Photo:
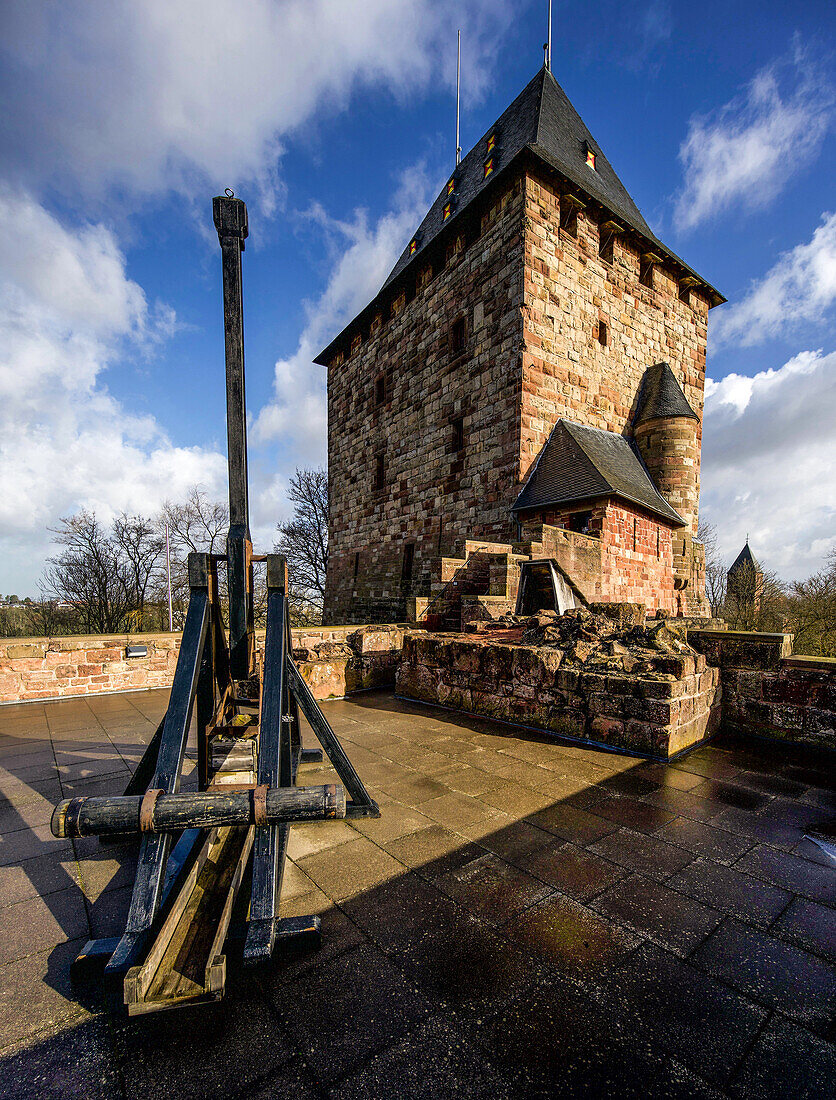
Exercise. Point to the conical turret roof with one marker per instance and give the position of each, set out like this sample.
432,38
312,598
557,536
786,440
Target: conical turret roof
661,396
745,560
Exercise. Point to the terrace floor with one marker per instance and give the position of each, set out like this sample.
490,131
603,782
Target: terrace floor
527,918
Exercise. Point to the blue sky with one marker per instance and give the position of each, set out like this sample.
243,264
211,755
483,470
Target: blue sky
334,119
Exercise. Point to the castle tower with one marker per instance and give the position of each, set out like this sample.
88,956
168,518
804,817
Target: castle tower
744,581
487,393
666,433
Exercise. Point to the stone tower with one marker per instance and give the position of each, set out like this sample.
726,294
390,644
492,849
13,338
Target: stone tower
528,381
744,581
666,431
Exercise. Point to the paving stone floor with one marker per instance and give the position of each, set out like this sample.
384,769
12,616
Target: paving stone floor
527,918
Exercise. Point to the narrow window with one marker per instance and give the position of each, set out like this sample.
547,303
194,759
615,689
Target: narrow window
380,389
658,544
569,218
356,564
457,442
607,233
635,533
457,336
406,568
602,333
648,262
685,290
379,471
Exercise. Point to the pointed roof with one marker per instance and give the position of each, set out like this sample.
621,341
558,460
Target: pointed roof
661,396
745,560
581,463
540,123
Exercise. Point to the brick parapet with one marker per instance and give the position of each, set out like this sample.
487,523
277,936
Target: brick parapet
54,668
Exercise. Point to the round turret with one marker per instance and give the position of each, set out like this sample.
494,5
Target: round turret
665,431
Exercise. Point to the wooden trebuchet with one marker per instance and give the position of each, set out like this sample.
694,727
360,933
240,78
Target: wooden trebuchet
167,813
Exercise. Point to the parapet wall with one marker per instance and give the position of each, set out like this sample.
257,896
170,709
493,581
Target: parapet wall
655,716
86,664
767,692
334,661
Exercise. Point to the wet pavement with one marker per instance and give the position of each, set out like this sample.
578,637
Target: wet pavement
528,918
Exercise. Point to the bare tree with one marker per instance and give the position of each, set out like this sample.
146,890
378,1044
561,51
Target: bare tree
811,612
304,542
140,547
90,575
715,568
196,525
755,600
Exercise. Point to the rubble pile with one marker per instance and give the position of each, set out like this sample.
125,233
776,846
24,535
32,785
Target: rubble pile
620,639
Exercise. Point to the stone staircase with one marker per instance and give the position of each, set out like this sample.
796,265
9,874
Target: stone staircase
487,574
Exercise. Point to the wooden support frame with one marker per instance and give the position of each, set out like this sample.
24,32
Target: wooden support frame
233,834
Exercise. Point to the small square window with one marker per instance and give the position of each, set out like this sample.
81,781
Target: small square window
458,336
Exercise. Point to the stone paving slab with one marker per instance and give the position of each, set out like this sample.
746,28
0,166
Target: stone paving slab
527,918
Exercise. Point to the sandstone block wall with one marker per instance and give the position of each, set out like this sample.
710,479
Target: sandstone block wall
333,660
767,692
52,668
527,685
569,290
434,495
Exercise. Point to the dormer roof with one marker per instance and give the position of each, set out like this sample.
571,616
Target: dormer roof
578,463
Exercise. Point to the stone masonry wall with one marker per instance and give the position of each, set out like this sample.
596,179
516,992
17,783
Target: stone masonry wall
51,668
398,395
527,685
333,660
767,692
569,290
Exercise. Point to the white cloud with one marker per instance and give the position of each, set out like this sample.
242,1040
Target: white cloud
744,153
800,287
769,463
363,255
68,311
157,95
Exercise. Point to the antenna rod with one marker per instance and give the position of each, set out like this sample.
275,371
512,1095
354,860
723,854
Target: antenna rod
458,90
549,41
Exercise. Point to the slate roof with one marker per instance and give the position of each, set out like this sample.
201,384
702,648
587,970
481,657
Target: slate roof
745,560
541,122
661,396
581,463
